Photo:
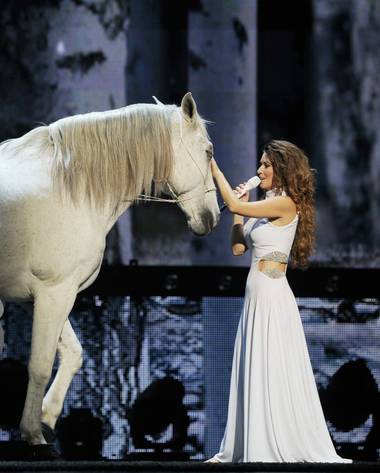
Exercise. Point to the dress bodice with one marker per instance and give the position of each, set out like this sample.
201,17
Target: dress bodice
269,241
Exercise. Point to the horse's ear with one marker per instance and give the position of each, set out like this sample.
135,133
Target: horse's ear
157,101
188,107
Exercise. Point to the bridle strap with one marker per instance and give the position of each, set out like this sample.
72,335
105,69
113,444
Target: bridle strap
176,200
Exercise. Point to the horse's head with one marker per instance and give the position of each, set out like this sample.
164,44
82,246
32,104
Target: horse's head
191,180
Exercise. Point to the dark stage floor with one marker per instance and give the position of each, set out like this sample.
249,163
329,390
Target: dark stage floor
177,467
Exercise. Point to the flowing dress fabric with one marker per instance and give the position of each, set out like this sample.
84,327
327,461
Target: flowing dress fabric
274,411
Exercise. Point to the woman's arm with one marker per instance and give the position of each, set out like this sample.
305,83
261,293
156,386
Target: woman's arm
271,208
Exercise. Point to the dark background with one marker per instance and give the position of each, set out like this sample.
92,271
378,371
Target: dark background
302,70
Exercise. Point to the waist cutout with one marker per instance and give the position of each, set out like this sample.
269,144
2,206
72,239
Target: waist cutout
273,264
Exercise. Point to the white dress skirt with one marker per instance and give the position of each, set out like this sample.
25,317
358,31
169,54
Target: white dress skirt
274,411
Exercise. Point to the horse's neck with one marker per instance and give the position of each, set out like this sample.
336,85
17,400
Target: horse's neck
108,216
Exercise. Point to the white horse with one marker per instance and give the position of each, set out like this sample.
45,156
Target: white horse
62,187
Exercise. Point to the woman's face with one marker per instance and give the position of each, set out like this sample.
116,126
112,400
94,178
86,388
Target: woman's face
265,173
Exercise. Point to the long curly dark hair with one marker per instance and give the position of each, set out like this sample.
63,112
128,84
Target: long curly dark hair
292,174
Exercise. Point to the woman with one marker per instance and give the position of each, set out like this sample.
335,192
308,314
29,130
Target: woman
274,412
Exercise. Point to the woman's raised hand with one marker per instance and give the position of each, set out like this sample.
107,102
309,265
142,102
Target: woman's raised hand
240,189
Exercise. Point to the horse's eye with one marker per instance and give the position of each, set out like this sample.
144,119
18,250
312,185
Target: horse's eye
210,154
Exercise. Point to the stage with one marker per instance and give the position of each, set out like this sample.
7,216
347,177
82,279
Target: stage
176,467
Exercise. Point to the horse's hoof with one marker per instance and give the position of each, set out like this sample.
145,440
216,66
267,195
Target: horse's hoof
43,452
49,434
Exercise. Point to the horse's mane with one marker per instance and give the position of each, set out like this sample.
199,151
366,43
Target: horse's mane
114,155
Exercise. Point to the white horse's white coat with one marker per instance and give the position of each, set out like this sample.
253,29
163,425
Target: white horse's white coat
52,247
28,175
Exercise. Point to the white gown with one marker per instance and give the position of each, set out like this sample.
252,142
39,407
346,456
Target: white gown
274,411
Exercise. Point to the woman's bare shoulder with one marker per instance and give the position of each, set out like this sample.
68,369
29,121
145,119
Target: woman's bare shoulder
286,202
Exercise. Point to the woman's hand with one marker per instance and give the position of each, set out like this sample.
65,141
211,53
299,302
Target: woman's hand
225,188
239,189
214,168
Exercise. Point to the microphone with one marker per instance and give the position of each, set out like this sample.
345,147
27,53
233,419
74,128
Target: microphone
250,184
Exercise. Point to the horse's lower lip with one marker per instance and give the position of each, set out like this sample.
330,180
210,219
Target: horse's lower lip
203,230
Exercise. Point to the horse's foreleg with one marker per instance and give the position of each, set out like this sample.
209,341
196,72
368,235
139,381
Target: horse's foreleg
70,361
51,308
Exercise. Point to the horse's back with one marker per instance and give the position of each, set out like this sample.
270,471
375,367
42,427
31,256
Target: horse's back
25,166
